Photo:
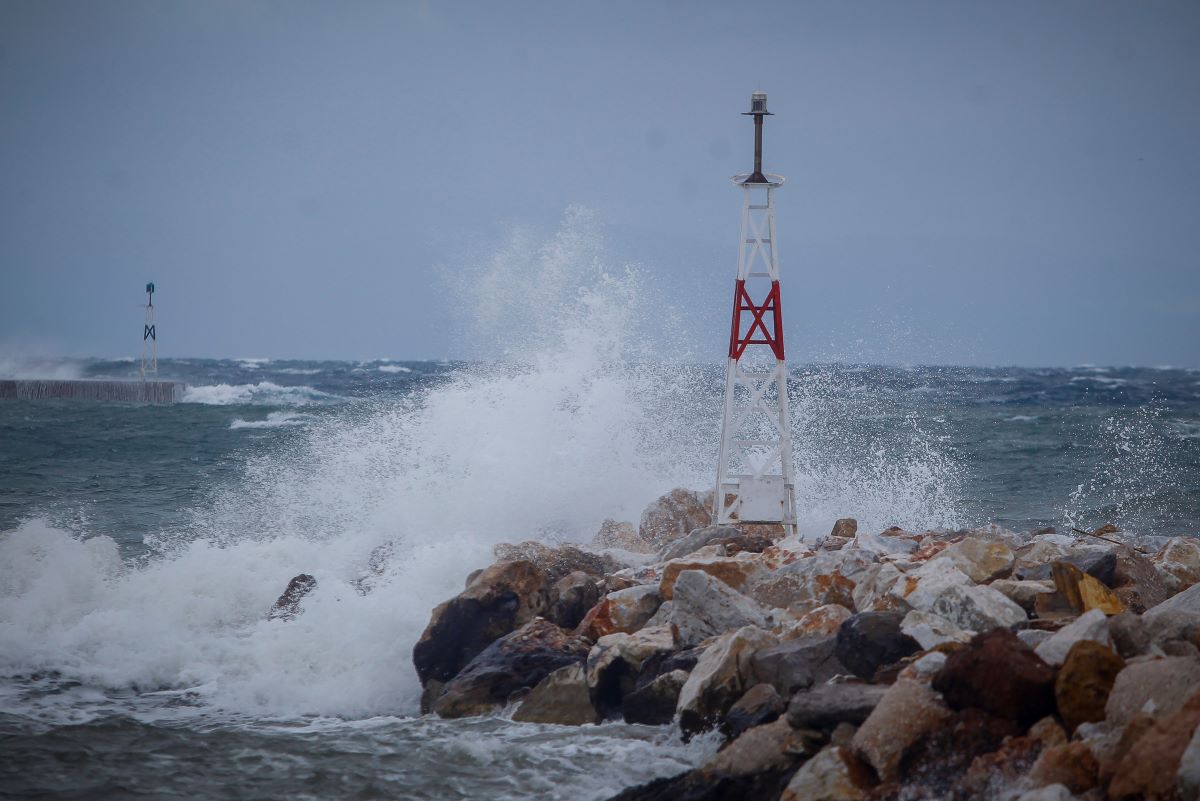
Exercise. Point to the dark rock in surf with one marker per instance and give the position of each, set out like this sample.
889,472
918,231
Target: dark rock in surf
871,640
824,707
288,605
653,703
758,705
796,665
571,597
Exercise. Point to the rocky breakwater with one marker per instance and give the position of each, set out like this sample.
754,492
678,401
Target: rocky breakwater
973,664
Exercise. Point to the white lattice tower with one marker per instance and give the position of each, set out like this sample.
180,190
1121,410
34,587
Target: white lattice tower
149,337
754,474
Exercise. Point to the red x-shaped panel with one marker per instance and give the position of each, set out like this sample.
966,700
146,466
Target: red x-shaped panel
742,303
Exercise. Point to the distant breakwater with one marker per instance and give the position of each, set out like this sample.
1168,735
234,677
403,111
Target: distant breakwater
92,390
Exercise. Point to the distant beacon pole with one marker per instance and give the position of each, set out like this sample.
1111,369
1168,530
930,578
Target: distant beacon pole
149,337
754,476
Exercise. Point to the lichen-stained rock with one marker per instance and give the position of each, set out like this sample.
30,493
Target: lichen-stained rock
734,571
517,661
695,540
1180,559
719,678
1000,674
1149,771
571,597
1138,583
871,640
502,598
827,705
1157,685
834,774
894,541
653,704
620,536
562,697
616,660
1084,682
557,560
1071,765
1091,626
907,712
621,611
795,665
977,608
820,622
921,588
872,592
803,592
287,607
674,515
982,560
703,606
1023,593
930,630
758,705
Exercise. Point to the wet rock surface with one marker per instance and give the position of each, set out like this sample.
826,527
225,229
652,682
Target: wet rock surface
871,640
288,605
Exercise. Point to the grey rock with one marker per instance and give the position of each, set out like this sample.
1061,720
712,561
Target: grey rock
1100,563
1188,778
697,540
571,597
1034,637
1186,601
1090,626
1157,685
562,697
760,704
719,678
1129,634
978,609
654,703
796,665
704,606
287,607
827,705
871,640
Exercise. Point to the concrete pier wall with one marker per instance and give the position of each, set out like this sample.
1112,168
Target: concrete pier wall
84,389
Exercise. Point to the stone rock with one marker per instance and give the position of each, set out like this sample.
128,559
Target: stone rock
834,774
938,760
758,705
571,597
1129,634
1159,686
720,678
930,630
744,542
703,606
562,697
1149,770
502,598
675,515
1091,626
894,541
1071,765
622,611
557,560
1084,682
1051,792
1188,778
1098,562
845,527
734,572
1034,637
517,661
871,640
1180,559
653,704
907,712
982,560
621,537
1083,592
1000,674
616,660
1048,732
1138,583
924,667
694,541
1186,601
796,665
921,588
763,749
820,622
873,593
1173,625
997,775
1023,593
288,606
802,592
977,608
826,706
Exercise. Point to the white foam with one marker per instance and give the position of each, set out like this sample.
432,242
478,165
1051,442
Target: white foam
394,368
273,420
263,393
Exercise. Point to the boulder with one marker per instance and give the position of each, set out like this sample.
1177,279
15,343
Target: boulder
871,640
762,750
1023,593
1098,562
921,588
1071,765
796,665
621,537
1160,686
516,662
826,706
1187,780
703,606
502,598
873,591
803,592
653,704
977,608
933,765
287,607
820,622
1091,626
621,611
557,560
675,515
758,705
562,697
1000,674
1172,625
1186,601
907,712
845,528
616,660
1084,682
734,571
571,597
893,542
930,630
1034,637
1150,769
1129,634
1138,583
834,774
695,540
720,678
1083,592
982,560
1180,559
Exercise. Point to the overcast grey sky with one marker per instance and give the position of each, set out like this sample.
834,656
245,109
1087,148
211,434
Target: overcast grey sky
972,183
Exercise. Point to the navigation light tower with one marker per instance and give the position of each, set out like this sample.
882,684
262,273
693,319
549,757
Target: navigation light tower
149,337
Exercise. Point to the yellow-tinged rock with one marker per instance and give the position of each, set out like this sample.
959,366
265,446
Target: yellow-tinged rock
734,571
1084,592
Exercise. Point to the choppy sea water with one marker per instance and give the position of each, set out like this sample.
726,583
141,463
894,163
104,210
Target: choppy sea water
143,545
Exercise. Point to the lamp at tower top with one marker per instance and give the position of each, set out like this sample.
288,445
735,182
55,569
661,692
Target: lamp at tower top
758,110
758,105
